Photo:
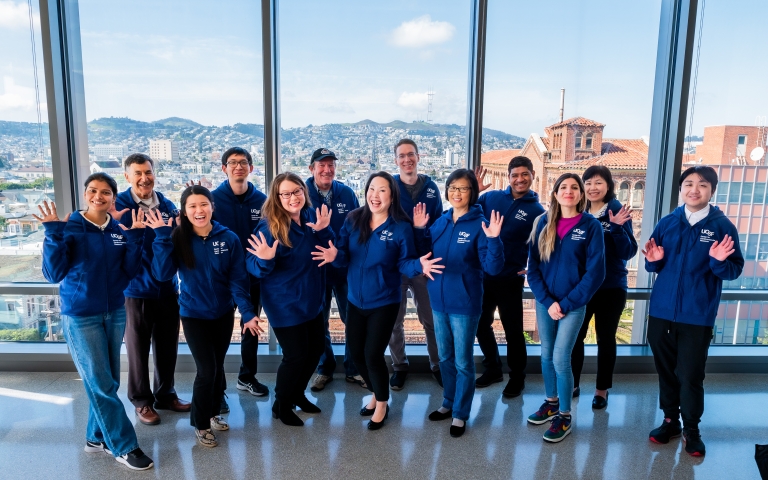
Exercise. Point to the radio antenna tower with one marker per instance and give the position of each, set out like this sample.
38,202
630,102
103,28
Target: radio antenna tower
430,94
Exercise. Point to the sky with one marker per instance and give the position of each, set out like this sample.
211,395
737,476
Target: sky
346,60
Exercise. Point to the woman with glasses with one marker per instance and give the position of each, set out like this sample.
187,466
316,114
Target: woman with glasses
469,248
292,287
376,243
566,266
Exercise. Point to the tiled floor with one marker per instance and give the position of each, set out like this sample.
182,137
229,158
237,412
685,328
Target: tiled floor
42,434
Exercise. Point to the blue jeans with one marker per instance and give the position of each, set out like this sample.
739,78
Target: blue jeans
328,360
455,336
557,340
94,343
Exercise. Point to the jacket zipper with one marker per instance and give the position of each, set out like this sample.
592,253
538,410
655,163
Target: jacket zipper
447,256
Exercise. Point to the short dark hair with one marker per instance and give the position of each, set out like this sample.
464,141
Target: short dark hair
704,171
236,151
470,176
520,161
406,141
102,177
604,173
139,159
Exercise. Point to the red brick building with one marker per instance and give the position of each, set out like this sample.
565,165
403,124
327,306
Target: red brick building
732,145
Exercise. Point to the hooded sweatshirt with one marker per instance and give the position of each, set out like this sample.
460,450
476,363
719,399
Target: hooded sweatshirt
92,266
689,281
429,195
467,253
576,266
343,201
519,215
620,247
219,279
144,285
375,267
292,287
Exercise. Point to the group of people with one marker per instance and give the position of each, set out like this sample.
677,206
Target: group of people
132,265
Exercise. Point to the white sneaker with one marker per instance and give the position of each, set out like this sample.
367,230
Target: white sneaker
320,382
218,423
96,447
136,460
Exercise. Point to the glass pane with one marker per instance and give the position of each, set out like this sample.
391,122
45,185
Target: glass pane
741,323
30,318
722,192
26,178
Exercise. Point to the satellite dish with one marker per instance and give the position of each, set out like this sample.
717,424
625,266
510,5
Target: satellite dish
757,154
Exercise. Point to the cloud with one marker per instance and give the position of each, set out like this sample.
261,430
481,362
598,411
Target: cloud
413,100
420,32
17,97
15,15
337,108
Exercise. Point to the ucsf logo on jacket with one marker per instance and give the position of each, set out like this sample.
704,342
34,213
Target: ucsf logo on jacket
466,254
519,215
217,282
689,282
576,267
292,287
375,267
144,285
92,266
429,196
343,201
620,247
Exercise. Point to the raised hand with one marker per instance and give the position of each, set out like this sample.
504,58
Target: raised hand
653,252
117,215
555,312
420,215
48,213
622,216
722,250
325,255
261,248
494,228
480,172
253,326
428,267
154,219
323,218
138,220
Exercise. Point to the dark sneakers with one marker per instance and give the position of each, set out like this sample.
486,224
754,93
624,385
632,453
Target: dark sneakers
513,389
693,444
136,460
224,405
545,413
668,430
254,388
96,447
397,380
488,378
560,428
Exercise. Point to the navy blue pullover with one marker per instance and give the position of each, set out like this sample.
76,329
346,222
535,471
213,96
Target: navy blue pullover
620,247
429,195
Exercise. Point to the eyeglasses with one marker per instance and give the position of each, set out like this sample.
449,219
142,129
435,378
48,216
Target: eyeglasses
242,163
459,189
298,193
403,156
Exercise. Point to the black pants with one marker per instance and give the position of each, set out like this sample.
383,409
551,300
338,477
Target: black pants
680,354
249,343
506,294
368,333
606,305
302,346
152,322
208,341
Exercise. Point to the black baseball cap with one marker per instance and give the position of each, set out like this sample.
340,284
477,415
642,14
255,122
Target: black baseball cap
322,153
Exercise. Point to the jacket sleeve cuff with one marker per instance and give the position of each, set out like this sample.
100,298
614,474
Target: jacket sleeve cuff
135,234
54,227
163,232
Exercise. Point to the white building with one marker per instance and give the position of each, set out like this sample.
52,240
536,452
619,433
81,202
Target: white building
164,150
450,158
105,152
110,167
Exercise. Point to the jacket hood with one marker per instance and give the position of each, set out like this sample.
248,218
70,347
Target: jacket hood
529,197
714,214
474,212
226,189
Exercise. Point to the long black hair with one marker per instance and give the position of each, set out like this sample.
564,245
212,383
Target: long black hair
604,173
361,217
182,235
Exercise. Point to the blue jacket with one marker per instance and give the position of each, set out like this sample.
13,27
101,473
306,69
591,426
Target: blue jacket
144,285
343,201
218,281
689,282
429,195
375,267
241,218
466,253
620,247
518,222
292,287
92,266
576,267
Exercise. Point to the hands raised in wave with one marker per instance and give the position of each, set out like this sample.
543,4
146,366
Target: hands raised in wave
48,213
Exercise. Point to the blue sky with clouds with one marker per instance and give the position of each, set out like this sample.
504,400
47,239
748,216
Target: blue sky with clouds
345,60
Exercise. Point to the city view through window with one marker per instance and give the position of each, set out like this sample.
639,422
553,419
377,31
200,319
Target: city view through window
183,92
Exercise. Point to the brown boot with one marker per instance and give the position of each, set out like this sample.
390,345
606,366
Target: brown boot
147,415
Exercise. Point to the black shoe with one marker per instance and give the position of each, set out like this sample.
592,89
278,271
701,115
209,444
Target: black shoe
488,378
377,425
437,415
96,447
397,380
306,406
457,431
599,402
513,389
693,444
254,388
285,413
669,429
224,408
136,460
438,376
367,412
576,392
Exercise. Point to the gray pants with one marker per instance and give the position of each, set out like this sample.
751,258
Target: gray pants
418,287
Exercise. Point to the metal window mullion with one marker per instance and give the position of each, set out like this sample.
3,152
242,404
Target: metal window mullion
476,84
